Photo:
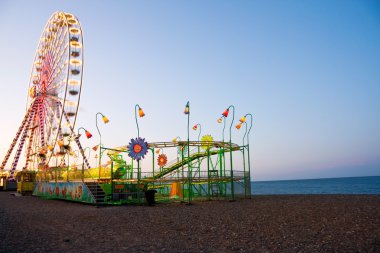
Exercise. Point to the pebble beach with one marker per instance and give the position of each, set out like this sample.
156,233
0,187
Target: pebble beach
278,223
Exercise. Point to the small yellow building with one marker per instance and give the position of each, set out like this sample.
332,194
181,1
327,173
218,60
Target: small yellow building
26,182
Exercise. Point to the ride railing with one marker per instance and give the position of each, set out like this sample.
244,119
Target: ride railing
195,155
179,158
208,186
67,174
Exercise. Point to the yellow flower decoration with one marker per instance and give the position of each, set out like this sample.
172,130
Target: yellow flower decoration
206,142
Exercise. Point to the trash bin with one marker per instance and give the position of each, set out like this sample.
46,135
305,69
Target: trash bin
150,197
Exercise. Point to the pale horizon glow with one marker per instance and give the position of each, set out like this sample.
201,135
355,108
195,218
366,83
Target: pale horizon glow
307,71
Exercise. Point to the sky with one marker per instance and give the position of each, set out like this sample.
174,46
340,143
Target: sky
308,71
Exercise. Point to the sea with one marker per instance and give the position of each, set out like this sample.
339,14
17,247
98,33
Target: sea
346,185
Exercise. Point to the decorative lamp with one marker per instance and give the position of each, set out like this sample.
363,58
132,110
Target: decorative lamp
95,147
141,112
242,120
88,134
225,113
195,127
176,139
238,126
105,120
187,108
220,120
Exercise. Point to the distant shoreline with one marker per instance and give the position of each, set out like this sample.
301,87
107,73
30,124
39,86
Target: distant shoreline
345,185
276,180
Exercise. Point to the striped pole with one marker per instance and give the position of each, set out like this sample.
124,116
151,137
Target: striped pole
30,143
42,121
21,144
16,137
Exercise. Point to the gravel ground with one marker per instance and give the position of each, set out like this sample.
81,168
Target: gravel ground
303,223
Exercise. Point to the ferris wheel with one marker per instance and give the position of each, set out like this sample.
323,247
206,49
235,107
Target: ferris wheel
53,96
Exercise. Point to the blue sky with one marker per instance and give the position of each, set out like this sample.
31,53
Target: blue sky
307,70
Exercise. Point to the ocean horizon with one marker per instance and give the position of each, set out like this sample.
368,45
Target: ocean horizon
343,185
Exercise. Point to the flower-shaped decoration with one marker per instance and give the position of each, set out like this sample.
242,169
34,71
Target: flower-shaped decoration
138,148
162,160
206,142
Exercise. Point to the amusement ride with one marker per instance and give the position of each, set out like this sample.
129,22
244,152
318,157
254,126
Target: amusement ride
51,147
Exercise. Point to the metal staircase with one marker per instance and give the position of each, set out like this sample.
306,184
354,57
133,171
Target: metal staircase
97,192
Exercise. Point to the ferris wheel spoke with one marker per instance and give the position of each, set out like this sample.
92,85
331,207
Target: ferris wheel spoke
57,47
57,56
57,74
57,38
50,59
57,41
57,71
54,98
55,64
56,86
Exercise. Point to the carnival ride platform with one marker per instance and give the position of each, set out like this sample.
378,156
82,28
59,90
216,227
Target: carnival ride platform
175,181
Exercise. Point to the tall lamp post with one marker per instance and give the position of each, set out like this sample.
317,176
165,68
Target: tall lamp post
187,112
222,154
242,120
195,128
220,120
238,126
88,135
141,114
225,114
105,120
